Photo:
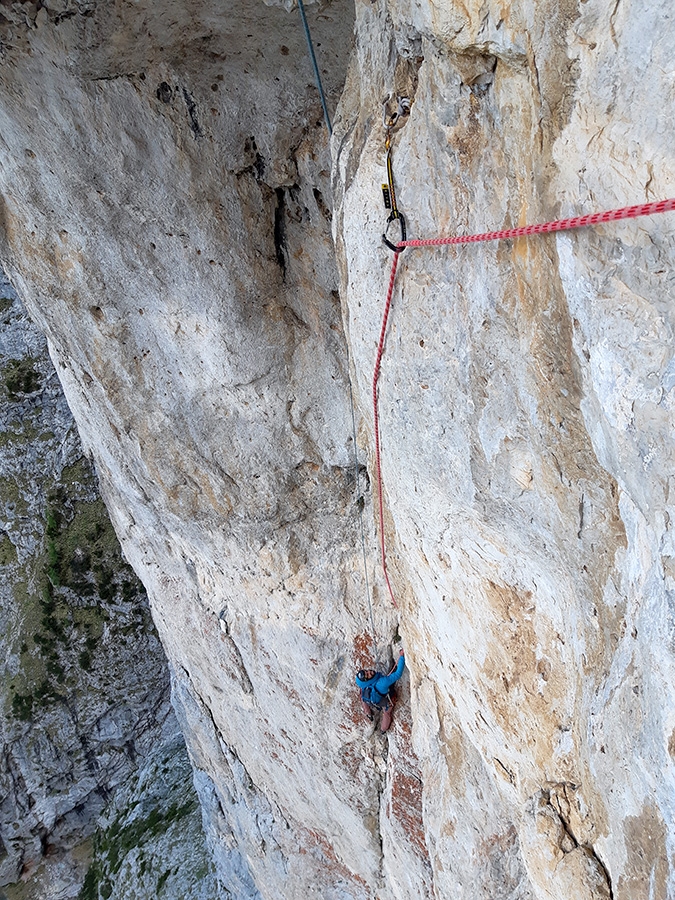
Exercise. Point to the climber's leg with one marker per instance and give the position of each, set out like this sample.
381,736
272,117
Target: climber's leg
387,713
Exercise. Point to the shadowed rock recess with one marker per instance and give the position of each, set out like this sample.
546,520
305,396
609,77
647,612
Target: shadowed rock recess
167,193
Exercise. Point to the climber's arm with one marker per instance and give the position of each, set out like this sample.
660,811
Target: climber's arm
386,681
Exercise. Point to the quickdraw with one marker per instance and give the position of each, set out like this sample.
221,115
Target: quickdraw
390,120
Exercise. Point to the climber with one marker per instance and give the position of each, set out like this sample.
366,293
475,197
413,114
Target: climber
375,691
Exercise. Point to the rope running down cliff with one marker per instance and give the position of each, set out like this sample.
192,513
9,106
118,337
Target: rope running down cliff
317,74
612,215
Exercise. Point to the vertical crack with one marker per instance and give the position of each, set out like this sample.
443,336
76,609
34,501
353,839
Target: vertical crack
192,113
554,802
280,231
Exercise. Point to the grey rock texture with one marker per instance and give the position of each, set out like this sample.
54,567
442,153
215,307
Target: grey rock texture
85,686
150,841
166,198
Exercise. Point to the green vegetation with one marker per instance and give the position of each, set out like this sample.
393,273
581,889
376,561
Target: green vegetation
6,304
112,845
161,881
12,496
7,551
67,592
22,706
20,378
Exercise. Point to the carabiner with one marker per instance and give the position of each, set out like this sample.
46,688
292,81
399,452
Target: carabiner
395,217
390,120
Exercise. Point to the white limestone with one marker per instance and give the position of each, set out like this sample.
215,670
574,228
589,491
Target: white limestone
173,241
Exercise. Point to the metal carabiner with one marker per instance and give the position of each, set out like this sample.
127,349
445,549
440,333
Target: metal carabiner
390,119
395,217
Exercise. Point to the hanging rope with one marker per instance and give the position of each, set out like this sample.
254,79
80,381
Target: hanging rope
612,215
317,74
376,420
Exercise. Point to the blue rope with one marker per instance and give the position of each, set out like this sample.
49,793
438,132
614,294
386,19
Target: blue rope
317,75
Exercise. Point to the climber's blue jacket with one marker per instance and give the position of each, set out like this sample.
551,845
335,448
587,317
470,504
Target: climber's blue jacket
375,689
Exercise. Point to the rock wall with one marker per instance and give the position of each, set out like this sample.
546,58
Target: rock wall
166,212
525,411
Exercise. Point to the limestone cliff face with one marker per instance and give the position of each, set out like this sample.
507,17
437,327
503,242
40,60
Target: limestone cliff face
166,212
527,419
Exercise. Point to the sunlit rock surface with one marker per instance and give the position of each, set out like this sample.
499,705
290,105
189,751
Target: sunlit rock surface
166,208
527,420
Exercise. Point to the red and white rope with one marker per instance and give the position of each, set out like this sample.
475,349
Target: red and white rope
612,215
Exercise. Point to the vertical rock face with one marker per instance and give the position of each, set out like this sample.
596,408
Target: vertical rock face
166,206
525,402
199,342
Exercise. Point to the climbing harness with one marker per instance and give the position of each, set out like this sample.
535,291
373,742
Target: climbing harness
612,215
390,120
317,74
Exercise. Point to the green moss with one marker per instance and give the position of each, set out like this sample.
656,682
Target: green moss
5,304
89,889
11,494
22,707
7,551
20,378
67,588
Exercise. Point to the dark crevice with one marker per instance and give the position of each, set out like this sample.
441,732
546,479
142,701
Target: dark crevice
555,804
280,231
115,77
192,113
256,169
256,164
164,92
605,871
259,166
322,205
